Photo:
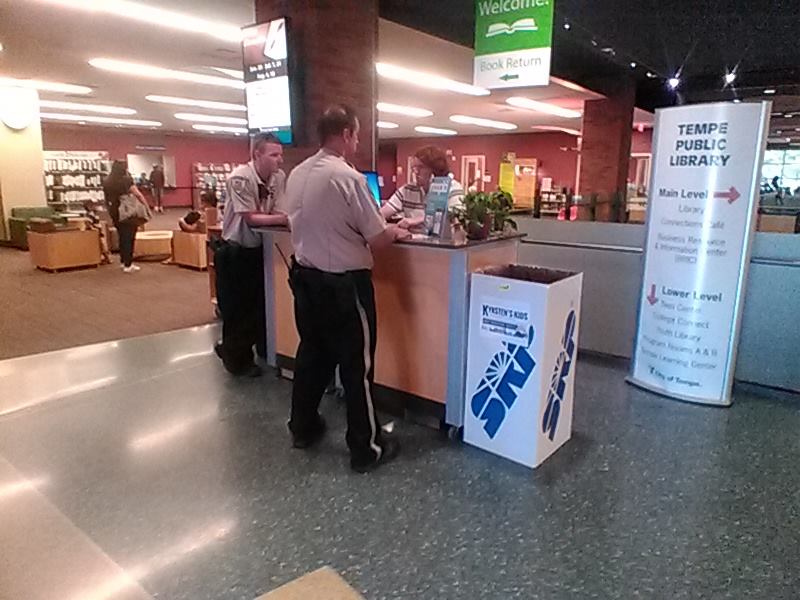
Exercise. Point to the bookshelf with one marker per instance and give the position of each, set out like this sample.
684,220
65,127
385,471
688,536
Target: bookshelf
72,177
208,175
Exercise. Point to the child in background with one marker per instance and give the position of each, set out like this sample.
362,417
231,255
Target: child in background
195,221
92,214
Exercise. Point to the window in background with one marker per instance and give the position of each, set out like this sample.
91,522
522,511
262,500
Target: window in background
784,164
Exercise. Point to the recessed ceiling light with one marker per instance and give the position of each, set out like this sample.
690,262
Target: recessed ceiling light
769,91
219,128
465,120
674,82
651,75
46,86
428,80
633,64
567,26
543,107
434,130
159,17
94,108
736,101
387,125
140,70
198,103
555,128
210,119
411,111
103,120
730,77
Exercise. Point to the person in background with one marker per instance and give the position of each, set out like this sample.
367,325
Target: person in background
157,187
90,208
255,194
335,225
409,201
117,183
195,220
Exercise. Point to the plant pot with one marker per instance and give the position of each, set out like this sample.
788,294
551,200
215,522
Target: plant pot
475,231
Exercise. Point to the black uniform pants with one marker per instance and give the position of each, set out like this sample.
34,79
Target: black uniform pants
127,238
335,317
240,298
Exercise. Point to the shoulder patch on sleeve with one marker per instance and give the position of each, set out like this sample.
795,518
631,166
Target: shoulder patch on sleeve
238,184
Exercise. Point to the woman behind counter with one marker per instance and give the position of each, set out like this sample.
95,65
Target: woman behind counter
428,162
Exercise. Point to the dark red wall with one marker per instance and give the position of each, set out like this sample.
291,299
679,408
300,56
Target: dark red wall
554,151
387,168
642,142
186,149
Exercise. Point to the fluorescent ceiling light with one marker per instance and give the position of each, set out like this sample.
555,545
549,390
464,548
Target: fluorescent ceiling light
219,129
465,120
210,119
46,86
230,72
94,108
103,120
387,125
410,111
769,91
159,17
543,107
434,130
140,70
198,103
428,80
555,128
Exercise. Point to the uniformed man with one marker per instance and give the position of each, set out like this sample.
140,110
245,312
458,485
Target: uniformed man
335,223
255,193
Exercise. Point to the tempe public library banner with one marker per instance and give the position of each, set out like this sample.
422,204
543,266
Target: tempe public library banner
701,218
513,40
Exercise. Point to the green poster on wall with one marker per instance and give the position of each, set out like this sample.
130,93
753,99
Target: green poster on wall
513,43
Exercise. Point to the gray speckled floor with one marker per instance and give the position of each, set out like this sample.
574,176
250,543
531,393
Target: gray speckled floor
186,480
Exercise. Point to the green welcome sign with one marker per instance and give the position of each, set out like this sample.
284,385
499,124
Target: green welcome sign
513,42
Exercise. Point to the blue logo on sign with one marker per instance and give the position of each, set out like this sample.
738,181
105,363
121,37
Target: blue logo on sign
558,383
507,373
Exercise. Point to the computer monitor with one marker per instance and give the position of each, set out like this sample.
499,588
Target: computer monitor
374,185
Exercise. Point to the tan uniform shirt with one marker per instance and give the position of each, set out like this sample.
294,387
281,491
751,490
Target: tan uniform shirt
248,193
332,214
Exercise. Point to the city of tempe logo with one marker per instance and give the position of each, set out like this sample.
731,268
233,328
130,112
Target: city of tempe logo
558,383
507,373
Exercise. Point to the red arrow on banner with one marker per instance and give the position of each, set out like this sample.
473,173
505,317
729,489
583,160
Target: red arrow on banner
732,195
651,297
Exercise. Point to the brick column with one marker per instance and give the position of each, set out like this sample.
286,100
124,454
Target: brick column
606,149
335,46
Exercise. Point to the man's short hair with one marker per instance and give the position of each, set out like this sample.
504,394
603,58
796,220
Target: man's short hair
261,138
335,120
435,159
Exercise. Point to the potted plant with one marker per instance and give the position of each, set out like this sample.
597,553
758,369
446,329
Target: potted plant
475,216
482,214
501,203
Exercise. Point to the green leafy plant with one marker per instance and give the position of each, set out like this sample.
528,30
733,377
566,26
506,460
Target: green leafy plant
484,213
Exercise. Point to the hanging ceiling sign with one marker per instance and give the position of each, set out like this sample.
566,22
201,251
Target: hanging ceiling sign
513,43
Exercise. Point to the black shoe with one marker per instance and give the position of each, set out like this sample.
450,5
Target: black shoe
252,370
390,449
307,441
